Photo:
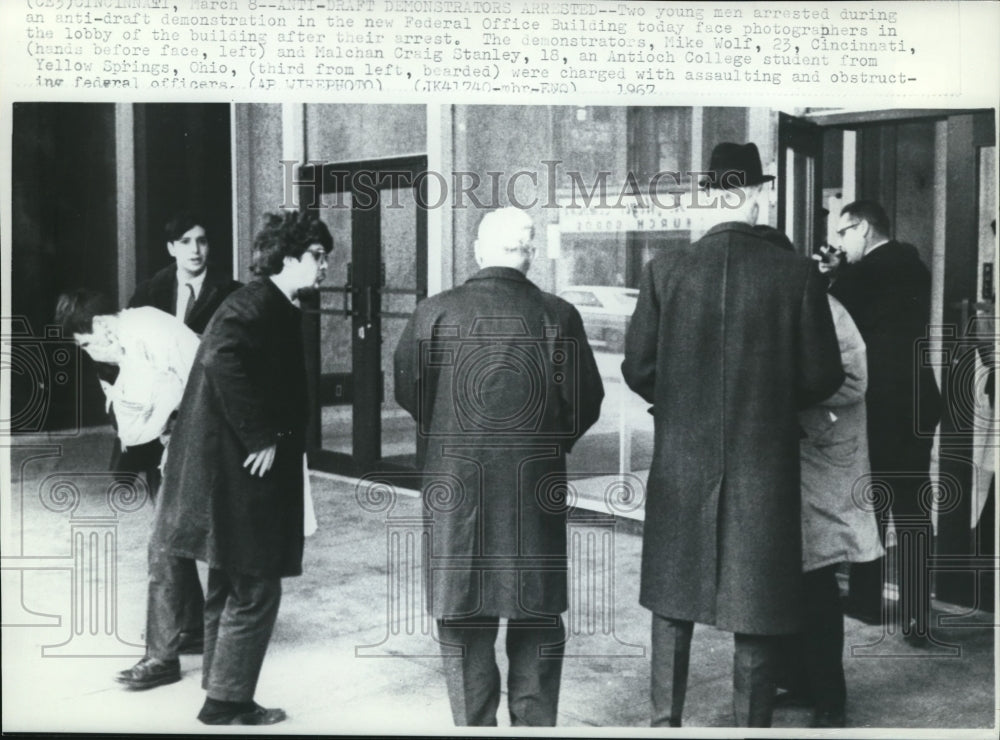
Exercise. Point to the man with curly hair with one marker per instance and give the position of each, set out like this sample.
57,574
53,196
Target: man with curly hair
232,491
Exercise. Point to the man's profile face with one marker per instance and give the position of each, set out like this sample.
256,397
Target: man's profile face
190,250
309,270
852,232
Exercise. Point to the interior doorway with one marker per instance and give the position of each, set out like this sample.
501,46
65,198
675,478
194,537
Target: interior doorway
930,170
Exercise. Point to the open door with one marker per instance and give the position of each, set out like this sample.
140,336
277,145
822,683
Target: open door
800,193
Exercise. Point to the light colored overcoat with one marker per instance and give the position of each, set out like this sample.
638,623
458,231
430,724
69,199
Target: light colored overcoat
838,523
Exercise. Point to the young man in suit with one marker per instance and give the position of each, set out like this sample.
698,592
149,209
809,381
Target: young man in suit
190,290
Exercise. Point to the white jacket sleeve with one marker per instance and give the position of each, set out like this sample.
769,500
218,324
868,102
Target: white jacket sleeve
159,351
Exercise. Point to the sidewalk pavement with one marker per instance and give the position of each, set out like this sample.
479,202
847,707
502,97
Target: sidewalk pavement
353,652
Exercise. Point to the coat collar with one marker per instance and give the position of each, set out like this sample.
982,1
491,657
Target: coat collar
500,273
739,226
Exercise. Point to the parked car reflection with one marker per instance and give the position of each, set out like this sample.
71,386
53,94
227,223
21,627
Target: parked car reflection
605,311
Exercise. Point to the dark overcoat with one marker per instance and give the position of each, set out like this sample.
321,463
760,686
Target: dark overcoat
888,294
731,336
246,391
160,291
501,380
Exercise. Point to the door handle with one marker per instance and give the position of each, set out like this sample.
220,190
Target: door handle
369,306
349,291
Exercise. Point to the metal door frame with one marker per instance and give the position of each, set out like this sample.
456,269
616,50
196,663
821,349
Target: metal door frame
362,301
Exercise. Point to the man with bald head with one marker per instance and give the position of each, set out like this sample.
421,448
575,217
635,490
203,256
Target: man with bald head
501,380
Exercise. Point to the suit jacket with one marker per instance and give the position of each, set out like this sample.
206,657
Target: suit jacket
160,291
501,381
246,391
731,336
888,295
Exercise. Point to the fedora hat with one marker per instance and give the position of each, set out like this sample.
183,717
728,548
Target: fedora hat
735,165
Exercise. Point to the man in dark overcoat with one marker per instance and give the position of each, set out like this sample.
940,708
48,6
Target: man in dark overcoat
502,382
233,481
175,604
887,290
731,336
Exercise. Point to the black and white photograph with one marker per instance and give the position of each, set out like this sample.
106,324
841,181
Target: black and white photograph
410,413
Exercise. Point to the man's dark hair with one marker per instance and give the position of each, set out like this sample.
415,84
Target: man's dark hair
76,309
181,223
286,234
870,211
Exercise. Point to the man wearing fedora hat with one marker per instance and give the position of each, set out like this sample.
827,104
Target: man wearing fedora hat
731,336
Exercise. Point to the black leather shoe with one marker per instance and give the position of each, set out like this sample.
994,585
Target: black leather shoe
192,643
828,718
867,617
789,698
149,673
259,716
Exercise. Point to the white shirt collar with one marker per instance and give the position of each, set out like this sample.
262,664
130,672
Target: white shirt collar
196,283
182,291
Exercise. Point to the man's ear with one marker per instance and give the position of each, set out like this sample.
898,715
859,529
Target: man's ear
171,250
477,250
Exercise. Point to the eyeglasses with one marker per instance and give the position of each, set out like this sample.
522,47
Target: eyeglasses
318,254
847,228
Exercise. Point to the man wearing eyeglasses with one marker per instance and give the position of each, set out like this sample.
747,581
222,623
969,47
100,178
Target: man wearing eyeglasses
233,482
886,288
502,382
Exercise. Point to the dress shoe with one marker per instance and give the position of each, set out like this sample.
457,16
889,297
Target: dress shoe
829,718
149,673
914,637
218,712
868,617
259,716
788,698
192,643
917,640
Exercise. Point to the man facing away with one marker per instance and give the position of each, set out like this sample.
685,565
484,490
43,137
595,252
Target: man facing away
731,336
233,485
191,291
502,382
886,289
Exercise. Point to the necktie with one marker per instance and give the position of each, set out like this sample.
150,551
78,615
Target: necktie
190,302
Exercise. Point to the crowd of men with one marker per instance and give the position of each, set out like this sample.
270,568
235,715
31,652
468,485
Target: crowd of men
778,385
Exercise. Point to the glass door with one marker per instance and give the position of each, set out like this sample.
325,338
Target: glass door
376,275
